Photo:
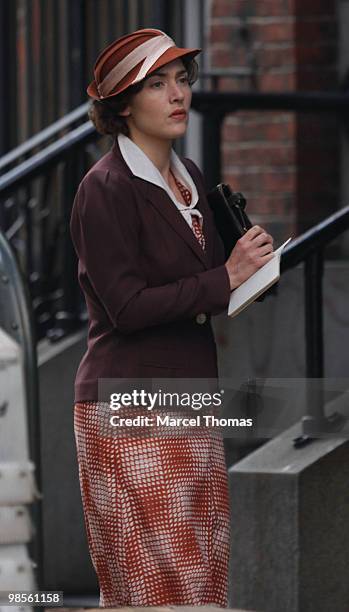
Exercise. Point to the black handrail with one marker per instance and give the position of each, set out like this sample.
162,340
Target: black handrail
317,237
51,155
202,101
214,103
228,102
308,248
38,140
220,103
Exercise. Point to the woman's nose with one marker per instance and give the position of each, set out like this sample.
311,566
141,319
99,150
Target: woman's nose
176,92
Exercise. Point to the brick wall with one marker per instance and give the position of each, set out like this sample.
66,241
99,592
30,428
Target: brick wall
285,163
317,138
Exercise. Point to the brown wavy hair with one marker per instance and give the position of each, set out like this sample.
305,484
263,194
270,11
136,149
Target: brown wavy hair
104,114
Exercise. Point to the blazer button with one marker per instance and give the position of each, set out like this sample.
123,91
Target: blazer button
201,318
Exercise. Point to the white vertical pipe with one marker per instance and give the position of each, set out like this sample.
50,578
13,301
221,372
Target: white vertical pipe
194,35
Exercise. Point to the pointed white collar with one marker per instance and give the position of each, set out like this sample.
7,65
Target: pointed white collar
141,166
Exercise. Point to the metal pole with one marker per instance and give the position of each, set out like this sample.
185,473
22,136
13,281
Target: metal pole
315,422
66,317
313,269
5,70
211,144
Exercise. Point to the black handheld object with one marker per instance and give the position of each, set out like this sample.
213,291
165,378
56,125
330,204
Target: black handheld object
231,220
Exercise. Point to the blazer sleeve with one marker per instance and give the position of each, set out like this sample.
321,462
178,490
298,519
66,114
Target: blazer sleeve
105,229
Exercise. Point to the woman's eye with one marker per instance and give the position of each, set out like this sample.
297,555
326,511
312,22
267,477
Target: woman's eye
159,84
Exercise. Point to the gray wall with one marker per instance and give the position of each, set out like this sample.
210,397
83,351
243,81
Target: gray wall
67,564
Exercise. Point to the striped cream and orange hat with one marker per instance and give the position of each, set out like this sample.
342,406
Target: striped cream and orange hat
130,59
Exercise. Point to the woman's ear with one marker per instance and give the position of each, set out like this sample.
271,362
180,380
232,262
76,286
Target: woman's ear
125,113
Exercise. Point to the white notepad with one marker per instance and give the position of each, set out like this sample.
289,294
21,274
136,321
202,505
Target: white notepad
254,286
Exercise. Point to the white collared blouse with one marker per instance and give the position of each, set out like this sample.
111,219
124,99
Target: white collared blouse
141,166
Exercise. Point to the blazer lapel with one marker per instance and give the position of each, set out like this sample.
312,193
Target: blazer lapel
167,209
161,201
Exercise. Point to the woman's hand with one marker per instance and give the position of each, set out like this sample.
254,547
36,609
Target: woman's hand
250,253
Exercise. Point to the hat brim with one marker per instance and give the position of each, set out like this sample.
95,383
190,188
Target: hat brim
168,56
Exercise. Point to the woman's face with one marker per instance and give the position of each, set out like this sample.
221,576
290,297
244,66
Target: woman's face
154,111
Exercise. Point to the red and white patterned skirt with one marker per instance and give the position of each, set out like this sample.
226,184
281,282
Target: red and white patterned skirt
156,513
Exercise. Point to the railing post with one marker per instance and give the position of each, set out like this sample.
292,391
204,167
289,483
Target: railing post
66,317
315,421
212,151
313,270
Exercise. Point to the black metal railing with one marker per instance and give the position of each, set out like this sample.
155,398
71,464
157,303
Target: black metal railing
37,189
215,106
309,249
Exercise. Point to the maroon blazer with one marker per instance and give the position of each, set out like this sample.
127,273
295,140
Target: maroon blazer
150,289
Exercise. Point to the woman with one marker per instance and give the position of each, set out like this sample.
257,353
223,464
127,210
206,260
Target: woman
152,269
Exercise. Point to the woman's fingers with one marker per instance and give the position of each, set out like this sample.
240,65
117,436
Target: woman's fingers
263,238
265,249
252,232
258,235
265,258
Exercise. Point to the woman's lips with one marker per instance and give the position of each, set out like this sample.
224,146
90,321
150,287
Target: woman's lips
179,115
